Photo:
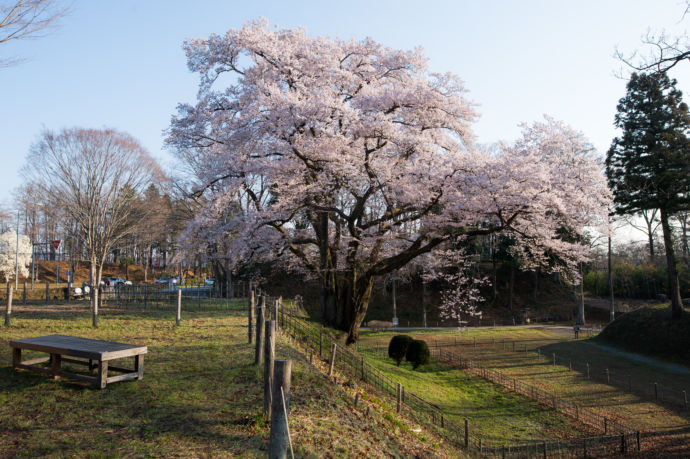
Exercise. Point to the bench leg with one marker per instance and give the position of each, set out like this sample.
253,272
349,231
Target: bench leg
55,363
139,365
16,357
102,374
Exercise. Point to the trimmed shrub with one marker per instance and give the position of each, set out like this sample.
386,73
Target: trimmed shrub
397,348
417,353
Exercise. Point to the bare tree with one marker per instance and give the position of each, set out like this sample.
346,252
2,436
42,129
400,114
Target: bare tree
650,227
20,19
96,176
660,52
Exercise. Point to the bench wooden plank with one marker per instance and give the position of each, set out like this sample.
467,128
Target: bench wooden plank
124,377
79,347
59,346
37,360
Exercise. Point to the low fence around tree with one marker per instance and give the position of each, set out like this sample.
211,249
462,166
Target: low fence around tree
354,365
602,373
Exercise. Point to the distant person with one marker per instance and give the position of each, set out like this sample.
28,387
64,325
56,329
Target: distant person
576,330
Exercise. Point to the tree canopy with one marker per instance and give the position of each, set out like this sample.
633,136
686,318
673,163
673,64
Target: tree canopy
348,159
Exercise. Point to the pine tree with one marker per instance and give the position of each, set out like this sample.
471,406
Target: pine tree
648,167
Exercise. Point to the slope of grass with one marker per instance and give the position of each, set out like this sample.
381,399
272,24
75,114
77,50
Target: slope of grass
496,415
651,330
200,396
637,409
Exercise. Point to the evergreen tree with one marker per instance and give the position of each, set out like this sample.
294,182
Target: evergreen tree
648,167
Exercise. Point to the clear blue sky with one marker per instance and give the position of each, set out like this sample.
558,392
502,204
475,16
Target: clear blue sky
119,63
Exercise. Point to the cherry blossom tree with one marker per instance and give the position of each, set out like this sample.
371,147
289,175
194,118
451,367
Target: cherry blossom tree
460,302
9,254
350,159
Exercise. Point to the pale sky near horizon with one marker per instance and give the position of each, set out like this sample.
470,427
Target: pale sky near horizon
120,64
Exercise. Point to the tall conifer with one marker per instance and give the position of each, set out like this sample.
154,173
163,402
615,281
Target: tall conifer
648,166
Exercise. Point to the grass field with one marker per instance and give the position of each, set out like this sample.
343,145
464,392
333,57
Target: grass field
200,396
614,401
496,415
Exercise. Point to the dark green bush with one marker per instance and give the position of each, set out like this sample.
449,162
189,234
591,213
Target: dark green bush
397,348
417,353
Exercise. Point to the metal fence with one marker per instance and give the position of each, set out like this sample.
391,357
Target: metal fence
602,373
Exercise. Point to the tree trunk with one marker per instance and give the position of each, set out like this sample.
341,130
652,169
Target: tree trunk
494,273
424,302
612,314
92,284
684,243
673,285
355,305
651,247
536,284
511,287
649,221
581,307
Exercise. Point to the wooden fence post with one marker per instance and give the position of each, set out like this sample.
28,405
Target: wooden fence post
250,314
258,355
178,314
269,356
656,391
8,311
332,363
96,304
399,404
467,433
47,292
623,445
24,295
587,370
280,433
608,377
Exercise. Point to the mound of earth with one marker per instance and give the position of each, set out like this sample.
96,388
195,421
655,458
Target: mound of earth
651,330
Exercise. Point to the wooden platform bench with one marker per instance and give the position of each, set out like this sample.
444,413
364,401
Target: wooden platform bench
95,354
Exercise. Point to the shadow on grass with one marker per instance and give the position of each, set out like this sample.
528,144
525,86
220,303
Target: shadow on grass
12,380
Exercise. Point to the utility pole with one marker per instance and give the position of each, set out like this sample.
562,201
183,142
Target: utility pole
612,313
16,257
395,314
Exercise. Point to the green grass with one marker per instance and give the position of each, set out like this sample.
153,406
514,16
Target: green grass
200,396
496,415
612,400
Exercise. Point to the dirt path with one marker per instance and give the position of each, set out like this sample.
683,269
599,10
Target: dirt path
679,369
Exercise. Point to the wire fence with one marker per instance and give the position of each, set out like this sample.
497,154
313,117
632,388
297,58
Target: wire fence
602,373
624,440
